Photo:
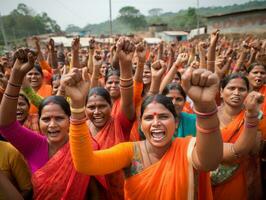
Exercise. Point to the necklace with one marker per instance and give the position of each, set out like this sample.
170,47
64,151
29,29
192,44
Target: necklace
146,149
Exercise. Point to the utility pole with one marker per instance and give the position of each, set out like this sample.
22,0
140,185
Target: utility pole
110,12
3,31
198,17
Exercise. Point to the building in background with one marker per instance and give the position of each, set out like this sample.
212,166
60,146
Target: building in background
172,36
246,21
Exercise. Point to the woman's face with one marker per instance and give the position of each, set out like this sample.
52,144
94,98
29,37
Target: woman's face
146,75
98,110
55,84
176,79
177,99
54,123
234,92
103,69
158,124
112,86
257,76
22,109
35,78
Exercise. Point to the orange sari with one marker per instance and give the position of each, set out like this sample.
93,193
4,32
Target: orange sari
110,135
263,92
58,179
172,177
116,107
44,91
244,182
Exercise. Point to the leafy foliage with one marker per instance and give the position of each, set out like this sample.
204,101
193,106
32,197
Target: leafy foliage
23,22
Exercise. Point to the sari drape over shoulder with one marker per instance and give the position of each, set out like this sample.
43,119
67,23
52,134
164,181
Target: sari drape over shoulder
172,177
58,179
111,134
243,182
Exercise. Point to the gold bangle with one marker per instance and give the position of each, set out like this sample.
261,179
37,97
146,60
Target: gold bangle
126,79
77,110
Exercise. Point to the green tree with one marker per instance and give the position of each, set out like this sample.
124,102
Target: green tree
155,12
133,17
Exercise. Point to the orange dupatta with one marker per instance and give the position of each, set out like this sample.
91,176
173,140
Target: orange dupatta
263,92
245,181
58,179
172,177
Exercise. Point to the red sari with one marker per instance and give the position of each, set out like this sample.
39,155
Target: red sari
263,92
58,179
111,134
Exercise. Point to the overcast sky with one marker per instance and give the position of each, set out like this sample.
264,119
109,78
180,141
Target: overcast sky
82,12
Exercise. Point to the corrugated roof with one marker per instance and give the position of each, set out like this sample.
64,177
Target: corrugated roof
236,12
175,32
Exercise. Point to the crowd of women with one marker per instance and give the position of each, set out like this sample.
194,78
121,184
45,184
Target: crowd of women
128,120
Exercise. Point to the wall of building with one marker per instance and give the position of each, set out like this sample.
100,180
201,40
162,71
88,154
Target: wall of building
254,21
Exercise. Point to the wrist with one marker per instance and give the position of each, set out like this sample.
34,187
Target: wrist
205,107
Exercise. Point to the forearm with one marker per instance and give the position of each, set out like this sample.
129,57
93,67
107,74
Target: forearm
239,62
168,77
139,72
126,88
9,101
155,86
202,56
211,57
244,144
209,146
74,63
90,61
98,162
95,77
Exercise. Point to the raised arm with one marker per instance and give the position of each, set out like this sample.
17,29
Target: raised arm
125,51
24,62
247,140
75,53
85,159
141,54
158,69
91,53
201,86
178,64
97,63
211,50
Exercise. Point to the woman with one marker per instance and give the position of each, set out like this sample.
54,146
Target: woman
238,175
29,121
257,77
186,122
109,129
157,168
48,157
35,78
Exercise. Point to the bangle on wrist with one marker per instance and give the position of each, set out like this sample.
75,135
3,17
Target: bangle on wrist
78,121
77,110
14,84
207,130
205,115
11,96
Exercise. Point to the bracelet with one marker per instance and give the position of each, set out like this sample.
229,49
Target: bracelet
205,115
11,96
126,79
77,110
251,124
210,61
78,121
234,151
126,87
207,131
14,84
